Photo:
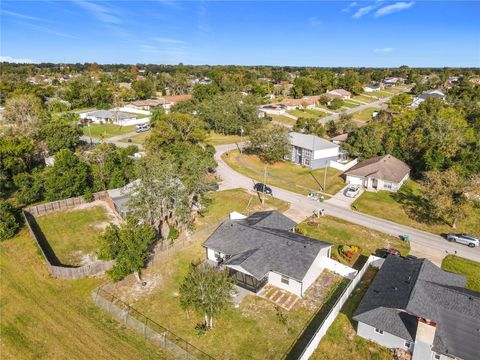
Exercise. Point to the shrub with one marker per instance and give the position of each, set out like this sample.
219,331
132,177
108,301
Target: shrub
9,223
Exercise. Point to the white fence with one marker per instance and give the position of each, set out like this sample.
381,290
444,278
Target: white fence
343,166
322,330
134,110
339,268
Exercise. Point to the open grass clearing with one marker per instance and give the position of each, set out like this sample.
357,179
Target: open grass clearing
469,268
341,232
282,119
381,94
255,330
74,234
364,115
364,98
104,131
307,113
46,318
139,138
285,174
341,340
404,208
215,139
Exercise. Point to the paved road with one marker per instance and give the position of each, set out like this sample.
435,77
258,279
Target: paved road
377,103
116,140
423,244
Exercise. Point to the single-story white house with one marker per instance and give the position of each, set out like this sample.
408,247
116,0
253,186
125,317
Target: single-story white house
264,249
438,94
313,151
372,88
107,116
379,173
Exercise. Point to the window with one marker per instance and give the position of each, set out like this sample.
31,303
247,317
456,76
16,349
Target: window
378,331
217,255
285,280
436,356
408,344
387,185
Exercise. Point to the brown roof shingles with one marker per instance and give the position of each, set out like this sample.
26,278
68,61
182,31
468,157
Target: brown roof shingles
386,167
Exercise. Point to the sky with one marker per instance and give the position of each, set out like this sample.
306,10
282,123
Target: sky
311,33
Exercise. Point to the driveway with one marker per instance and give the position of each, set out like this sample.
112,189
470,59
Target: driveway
423,244
341,200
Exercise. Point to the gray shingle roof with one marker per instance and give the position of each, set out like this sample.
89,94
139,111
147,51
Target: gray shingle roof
406,289
386,167
310,142
263,243
107,114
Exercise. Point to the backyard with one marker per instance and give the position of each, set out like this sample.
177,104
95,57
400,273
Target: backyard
285,174
257,329
103,131
469,268
46,318
341,340
403,207
73,234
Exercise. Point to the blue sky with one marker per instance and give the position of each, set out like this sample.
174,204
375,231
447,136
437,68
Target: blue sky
314,33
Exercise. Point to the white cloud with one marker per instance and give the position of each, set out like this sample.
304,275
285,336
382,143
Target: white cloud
314,21
102,13
168,40
351,5
389,9
21,16
363,11
47,30
16,60
384,50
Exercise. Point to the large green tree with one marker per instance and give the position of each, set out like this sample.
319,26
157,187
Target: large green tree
271,143
59,134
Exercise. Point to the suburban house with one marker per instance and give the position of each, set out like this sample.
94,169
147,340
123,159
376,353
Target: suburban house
264,249
416,306
379,173
118,199
339,138
148,104
306,102
313,151
392,81
438,94
372,88
275,109
113,117
339,93
172,100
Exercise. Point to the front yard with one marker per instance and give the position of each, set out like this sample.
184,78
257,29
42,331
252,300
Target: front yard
341,340
282,119
403,207
215,139
104,131
364,115
73,234
307,113
469,268
257,329
285,174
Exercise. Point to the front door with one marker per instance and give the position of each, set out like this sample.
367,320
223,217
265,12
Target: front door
374,183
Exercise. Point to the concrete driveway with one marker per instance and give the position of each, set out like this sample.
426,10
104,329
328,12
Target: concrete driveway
340,199
423,244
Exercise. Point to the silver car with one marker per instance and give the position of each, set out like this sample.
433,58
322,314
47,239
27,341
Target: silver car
352,191
469,240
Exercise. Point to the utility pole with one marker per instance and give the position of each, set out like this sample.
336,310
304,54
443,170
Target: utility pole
241,140
325,179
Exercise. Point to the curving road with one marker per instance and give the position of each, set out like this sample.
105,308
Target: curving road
423,244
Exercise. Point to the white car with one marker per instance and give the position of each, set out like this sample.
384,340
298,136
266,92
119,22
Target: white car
465,239
141,128
352,191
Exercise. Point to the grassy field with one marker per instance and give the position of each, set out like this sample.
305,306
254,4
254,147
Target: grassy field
402,207
46,318
72,234
255,330
469,268
220,139
282,119
364,115
106,130
307,113
341,232
138,138
364,98
341,341
285,174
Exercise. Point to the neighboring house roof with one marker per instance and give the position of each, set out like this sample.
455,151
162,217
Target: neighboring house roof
309,100
175,98
432,93
404,290
340,138
107,114
310,142
121,196
149,102
385,167
263,242
340,92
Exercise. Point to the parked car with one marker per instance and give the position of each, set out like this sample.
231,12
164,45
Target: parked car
260,187
466,239
213,187
352,191
383,253
142,127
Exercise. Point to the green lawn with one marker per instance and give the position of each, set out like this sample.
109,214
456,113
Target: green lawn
341,232
381,93
469,268
72,234
347,104
341,340
403,207
282,119
138,138
220,139
364,98
254,330
285,174
106,130
364,115
46,318
307,113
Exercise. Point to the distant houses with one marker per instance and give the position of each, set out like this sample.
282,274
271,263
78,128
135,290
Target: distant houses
372,88
379,173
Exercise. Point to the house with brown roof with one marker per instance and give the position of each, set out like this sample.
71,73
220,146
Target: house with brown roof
379,173
339,93
147,104
307,102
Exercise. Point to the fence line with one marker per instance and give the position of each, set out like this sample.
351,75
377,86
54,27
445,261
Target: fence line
149,329
54,265
333,312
